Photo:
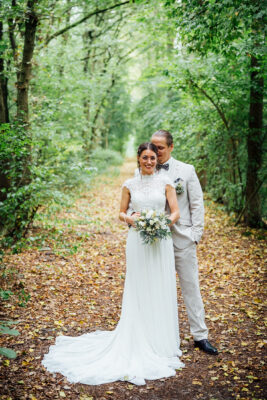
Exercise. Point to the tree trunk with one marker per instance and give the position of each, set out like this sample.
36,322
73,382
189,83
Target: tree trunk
88,39
254,144
4,114
24,74
4,117
65,37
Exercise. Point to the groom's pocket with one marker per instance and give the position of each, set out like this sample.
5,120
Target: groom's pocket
182,236
186,231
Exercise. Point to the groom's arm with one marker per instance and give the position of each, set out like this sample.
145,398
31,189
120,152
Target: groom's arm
196,205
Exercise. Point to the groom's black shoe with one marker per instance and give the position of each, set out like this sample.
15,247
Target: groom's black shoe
205,345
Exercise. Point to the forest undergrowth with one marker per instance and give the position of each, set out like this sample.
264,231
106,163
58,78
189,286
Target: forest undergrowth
74,273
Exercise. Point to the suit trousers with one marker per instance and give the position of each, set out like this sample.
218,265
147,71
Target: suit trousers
187,268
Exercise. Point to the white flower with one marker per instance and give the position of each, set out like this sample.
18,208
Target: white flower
149,213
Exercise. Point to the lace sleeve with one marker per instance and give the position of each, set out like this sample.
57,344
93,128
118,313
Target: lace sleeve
127,184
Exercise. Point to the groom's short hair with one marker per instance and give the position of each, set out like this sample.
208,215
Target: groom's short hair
166,134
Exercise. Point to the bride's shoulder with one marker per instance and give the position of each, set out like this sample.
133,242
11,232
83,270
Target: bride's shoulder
129,183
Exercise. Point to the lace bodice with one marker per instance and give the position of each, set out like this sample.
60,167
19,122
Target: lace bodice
148,191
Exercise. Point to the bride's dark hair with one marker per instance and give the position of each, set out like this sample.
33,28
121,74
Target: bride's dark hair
146,146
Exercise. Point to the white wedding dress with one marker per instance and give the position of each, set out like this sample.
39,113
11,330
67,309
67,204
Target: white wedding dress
145,343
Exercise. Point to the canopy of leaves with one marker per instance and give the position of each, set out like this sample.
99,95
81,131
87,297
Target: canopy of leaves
105,72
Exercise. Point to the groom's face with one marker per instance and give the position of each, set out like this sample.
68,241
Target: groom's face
164,151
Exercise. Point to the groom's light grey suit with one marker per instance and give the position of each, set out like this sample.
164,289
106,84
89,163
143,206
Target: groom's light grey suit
186,233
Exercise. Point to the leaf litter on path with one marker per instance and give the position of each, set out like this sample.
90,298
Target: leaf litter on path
75,278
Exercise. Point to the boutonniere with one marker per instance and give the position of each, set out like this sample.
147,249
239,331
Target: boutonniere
179,187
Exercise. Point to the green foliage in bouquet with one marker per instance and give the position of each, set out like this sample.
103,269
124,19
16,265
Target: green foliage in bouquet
153,226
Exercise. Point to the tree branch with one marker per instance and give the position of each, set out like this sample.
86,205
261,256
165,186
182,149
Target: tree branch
113,81
203,91
96,36
68,27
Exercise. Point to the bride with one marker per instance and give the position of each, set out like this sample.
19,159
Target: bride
145,343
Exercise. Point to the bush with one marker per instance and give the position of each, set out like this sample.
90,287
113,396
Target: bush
34,177
103,158
27,184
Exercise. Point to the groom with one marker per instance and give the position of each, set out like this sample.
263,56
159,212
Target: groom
186,234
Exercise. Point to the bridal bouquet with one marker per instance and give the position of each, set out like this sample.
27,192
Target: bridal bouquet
153,226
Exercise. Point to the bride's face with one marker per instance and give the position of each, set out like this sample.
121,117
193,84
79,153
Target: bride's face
147,161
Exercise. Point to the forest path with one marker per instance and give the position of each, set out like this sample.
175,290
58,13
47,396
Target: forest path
75,279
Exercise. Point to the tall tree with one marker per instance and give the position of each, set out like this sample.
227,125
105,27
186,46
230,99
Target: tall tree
255,137
24,72
25,26
236,30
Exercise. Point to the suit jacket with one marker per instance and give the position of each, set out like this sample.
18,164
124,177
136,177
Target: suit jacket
189,228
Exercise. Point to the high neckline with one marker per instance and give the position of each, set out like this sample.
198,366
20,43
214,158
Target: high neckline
147,176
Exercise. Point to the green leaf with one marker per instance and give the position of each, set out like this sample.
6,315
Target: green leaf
5,294
9,353
9,322
7,331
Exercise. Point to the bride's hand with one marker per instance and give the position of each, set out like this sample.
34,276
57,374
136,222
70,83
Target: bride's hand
172,218
133,217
